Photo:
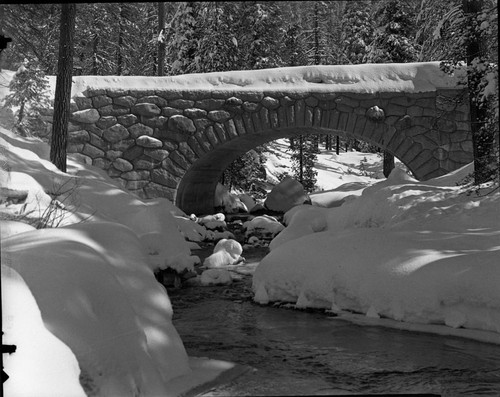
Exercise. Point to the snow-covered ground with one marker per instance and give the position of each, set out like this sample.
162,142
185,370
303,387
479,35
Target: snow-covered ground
80,301
414,252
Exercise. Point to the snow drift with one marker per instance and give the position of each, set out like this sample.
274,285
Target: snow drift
419,252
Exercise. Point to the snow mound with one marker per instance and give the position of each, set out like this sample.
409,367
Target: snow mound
226,252
51,366
97,295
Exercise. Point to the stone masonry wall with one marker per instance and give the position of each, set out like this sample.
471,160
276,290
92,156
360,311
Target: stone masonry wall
149,139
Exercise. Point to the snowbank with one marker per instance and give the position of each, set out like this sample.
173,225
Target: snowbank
418,252
80,300
97,295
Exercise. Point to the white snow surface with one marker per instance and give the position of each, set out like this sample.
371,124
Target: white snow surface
415,252
81,301
366,78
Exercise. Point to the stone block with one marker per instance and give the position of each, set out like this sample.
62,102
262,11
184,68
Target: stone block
146,109
181,103
92,151
312,101
395,110
180,160
231,129
251,96
168,111
97,141
415,111
113,110
154,122
210,104
148,142
145,163
187,152
233,101
445,125
240,125
172,168
87,116
136,175
181,124
270,103
202,124
251,106
82,102
127,120
247,121
106,122
264,119
156,154
139,129
123,145
155,99
211,136
163,177
221,132
194,113
113,154
113,172
115,133
196,147
299,113
133,152
125,101
309,116
273,118
256,122
78,137
100,101
218,115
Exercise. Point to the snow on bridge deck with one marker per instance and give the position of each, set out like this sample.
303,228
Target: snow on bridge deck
365,78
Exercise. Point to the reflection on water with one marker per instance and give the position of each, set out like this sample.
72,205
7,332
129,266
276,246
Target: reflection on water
298,353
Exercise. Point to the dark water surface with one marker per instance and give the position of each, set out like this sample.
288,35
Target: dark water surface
308,353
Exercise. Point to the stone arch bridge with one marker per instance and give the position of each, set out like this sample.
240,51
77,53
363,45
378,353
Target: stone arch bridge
174,136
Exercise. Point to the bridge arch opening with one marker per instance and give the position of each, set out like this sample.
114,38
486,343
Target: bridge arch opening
196,190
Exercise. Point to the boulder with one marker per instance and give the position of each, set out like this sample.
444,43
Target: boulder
287,194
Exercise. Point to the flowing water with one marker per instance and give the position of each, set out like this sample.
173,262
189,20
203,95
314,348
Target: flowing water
308,353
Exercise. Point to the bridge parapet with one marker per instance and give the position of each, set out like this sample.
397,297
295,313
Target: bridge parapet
164,142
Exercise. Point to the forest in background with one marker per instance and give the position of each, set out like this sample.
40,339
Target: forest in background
171,38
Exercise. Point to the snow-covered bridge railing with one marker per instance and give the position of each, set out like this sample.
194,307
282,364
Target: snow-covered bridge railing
174,136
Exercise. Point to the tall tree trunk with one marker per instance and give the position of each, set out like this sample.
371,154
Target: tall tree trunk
482,146
301,159
119,55
388,163
161,43
95,46
63,87
337,145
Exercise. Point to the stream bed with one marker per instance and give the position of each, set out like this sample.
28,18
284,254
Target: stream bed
296,352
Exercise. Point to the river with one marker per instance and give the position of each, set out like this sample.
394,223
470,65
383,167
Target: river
309,353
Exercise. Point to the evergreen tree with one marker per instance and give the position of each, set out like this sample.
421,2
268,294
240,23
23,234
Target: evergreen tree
28,92
304,157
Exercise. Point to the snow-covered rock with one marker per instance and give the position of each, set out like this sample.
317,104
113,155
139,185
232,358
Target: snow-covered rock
215,277
287,194
226,252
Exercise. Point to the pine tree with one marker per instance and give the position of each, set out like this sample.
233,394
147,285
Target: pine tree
28,92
